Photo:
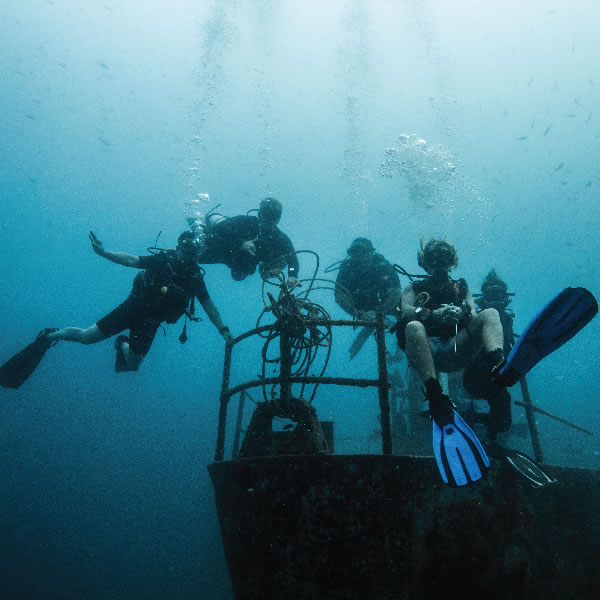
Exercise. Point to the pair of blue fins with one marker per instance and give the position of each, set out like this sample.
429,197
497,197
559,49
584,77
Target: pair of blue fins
460,456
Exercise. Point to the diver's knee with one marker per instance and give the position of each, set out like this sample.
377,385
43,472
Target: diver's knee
489,315
91,335
414,329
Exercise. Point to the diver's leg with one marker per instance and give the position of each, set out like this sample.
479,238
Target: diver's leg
242,265
484,330
418,350
132,359
141,336
91,335
114,322
486,346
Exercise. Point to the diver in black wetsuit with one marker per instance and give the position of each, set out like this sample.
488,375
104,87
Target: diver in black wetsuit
163,292
494,294
367,282
245,242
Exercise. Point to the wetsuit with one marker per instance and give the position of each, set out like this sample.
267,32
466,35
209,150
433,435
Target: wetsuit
225,240
368,287
452,292
161,292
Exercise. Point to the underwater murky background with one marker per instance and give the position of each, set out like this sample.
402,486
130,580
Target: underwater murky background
386,119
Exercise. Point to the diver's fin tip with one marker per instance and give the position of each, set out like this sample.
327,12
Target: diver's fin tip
459,454
16,370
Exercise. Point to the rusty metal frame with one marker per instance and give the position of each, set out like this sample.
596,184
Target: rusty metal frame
285,380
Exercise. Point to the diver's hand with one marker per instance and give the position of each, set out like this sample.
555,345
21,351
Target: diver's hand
97,245
453,314
447,314
437,315
249,247
274,272
292,283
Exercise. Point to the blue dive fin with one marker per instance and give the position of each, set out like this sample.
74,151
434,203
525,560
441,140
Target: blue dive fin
562,318
460,456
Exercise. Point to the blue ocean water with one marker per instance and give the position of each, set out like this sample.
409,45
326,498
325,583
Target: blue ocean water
386,119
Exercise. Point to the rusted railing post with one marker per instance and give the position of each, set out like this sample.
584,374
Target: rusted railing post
383,387
529,414
224,399
286,361
238,424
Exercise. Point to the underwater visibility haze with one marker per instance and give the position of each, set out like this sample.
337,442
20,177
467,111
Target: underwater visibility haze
393,120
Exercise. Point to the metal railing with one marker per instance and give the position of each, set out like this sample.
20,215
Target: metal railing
286,380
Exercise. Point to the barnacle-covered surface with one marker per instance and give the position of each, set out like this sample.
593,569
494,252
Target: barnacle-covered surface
385,527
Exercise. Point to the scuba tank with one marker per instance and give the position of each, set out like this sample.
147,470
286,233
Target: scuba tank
203,226
212,220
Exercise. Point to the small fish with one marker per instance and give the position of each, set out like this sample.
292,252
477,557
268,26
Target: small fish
521,139
547,130
571,115
102,64
532,124
577,102
530,81
589,183
559,167
589,118
104,141
590,81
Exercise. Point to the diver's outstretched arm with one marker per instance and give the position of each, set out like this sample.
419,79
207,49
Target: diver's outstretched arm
213,314
121,258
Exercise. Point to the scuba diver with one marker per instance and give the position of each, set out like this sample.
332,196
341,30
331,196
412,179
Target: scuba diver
244,242
494,294
163,291
367,283
440,331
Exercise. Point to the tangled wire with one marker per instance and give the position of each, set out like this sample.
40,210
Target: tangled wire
295,317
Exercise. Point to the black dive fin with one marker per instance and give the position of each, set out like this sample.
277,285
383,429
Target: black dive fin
460,456
359,341
15,371
562,318
524,465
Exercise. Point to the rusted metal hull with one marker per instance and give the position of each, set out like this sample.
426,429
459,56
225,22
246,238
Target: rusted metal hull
384,527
